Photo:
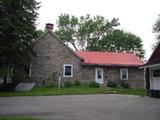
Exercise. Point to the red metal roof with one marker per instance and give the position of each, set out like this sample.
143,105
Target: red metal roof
109,58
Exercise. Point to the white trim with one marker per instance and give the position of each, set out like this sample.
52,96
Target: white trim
64,65
121,74
102,79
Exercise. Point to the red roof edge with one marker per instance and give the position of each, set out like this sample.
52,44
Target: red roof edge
115,65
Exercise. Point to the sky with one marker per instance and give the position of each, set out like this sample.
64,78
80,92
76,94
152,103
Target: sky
136,16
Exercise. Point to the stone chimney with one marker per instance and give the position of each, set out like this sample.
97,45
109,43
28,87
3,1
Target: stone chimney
49,27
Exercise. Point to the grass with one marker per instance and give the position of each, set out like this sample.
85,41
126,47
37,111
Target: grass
83,90
18,118
130,91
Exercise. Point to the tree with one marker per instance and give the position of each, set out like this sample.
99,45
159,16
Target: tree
17,31
156,29
118,40
83,32
97,34
40,32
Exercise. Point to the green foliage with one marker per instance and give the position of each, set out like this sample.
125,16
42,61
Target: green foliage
121,41
53,81
77,83
94,85
17,32
83,32
68,84
156,29
21,76
97,34
112,84
39,32
4,71
18,118
125,85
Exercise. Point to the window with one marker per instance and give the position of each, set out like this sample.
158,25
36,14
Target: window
67,70
124,74
156,73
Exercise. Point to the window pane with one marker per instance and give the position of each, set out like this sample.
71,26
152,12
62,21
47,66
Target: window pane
156,73
68,70
99,74
124,74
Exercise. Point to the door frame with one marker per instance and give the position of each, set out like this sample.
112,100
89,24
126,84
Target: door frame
153,80
102,73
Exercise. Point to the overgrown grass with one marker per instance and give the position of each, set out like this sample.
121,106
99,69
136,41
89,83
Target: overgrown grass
82,90
18,118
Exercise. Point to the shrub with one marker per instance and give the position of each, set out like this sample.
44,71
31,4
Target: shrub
21,76
53,80
125,85
94,85
68,84
112,84
77,83
50,83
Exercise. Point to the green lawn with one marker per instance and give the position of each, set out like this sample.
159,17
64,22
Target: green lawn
83,90
18,118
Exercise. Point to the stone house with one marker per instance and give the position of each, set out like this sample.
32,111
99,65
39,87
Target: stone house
53,56
152,73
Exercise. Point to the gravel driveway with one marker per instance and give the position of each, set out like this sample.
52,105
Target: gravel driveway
82,107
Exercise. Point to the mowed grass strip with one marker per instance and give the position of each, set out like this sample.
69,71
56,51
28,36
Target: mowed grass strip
18,118
82,90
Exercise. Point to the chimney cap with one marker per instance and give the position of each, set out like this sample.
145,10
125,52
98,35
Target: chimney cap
49,26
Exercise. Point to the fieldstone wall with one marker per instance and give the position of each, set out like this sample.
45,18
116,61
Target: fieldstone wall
51,55
135,75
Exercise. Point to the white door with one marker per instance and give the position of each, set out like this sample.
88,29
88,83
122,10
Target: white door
99,75
155,79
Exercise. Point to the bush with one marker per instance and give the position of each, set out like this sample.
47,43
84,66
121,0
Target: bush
50,83
21,76
125,85
112,84
77,83
68,84
53,80
94,85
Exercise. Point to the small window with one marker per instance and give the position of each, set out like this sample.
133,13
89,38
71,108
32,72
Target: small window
156,73
67,70
124,74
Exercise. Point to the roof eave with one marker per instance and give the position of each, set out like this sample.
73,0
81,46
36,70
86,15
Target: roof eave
115,65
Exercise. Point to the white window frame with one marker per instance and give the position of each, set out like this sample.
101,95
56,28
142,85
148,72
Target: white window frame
64,66
121,74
